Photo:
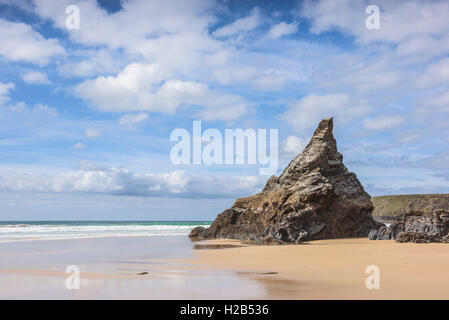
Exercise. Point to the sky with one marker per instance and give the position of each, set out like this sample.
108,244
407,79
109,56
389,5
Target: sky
86,113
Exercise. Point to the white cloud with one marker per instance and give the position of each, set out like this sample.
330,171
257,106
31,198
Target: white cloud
241,26
130,120
46,109
86,165
308,111
282,29
366,77
423,47
138,88
232,75
437,73
35,77
121,181
270,82
4,92
91,133
88,63
389,67
126,91
158,29
21,106
253,77
79,145
293,145
149,18
349,16
18,107
383,122
436,103
19,42
401,48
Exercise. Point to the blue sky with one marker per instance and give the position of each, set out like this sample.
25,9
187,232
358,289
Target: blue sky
86,114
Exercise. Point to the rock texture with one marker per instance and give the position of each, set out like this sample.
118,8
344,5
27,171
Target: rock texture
315,197
418,226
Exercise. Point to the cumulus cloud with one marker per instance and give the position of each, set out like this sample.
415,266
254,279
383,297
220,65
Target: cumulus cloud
21,43
365,77
121,181
435,74
270,81
4,92
39,108
282,29
149,18
89,63
293,145
130,120
140,87
241,26
308,111
398,65
79,145
35,77
395,16
158,29
438,102
91,133
18,107
135,68
383,122
46,109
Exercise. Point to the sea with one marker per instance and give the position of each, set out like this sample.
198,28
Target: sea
11,231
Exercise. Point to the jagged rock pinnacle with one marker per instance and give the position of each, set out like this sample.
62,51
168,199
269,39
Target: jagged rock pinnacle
324,130
319,155
315,197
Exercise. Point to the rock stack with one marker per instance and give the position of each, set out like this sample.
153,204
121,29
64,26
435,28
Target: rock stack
315,197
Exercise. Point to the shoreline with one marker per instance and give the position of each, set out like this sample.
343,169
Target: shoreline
169,267
92,237
60,230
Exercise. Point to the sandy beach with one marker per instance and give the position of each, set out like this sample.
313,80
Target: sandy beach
176,268
335,269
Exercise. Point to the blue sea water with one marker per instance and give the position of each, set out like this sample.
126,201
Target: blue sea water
50,230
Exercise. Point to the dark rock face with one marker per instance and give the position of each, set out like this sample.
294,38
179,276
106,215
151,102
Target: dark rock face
196,232
416,227
382,233
315,197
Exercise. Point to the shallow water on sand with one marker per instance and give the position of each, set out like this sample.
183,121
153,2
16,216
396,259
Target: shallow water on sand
116,268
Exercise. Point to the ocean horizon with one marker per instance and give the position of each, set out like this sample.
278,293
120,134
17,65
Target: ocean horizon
11,231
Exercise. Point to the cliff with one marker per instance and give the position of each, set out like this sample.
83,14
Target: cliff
388,208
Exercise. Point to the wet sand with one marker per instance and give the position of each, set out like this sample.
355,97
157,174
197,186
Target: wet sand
175,268
116,268
335,269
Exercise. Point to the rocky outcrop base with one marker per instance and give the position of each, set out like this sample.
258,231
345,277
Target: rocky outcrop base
418,227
